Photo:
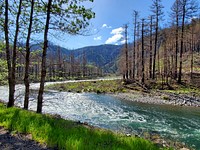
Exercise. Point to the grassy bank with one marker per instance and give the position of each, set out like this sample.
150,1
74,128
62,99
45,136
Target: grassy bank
175,88
103,86
64,134
112,86
185,89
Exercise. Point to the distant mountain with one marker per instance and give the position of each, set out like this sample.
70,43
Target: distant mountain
103,56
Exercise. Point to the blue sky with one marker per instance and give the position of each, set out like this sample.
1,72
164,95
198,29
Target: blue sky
111,15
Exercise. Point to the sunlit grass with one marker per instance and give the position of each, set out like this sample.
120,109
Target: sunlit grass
104,86
65,134
185,90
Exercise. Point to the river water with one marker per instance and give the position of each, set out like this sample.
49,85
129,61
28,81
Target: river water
171,122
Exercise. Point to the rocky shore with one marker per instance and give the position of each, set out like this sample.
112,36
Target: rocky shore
160,97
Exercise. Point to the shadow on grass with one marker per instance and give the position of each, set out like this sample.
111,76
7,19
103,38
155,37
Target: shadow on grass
17,142
63,134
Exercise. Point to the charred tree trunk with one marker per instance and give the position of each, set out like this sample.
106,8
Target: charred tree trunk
126,50
142,51
182,38
134,44
192,54
150,48
155,49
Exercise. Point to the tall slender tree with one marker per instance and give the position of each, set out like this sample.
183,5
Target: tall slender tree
27,65
44,56
135,15
8,57
150,46
72,20
176,14
142,56
156,8
11,60
126,49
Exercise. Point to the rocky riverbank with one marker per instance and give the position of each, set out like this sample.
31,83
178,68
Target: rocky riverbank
160,97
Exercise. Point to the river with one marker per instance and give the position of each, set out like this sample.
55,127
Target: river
171,122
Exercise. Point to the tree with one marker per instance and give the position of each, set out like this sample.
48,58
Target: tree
11,56
176,14
157,11
186,7
126,50
72,20
3,65
26,77
142,50
135,14
183,4
150,46
43,71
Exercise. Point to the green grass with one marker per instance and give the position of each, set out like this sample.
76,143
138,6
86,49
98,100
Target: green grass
176,88
185,90
65,134
104,86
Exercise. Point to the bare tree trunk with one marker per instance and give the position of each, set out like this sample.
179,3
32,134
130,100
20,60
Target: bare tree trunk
157,10
43,71
182,36
177,38
8,57
126,50
26,77
150,49
11,69
134,44
192,54
155,49
138,50
142,51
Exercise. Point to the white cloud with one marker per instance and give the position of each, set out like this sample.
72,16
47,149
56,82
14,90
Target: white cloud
98,38
106,26
117,31
117,36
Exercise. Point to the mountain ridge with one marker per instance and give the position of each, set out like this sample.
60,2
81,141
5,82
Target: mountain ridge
104,56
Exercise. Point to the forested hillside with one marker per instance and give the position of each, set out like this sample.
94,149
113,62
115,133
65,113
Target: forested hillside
102,56
166,54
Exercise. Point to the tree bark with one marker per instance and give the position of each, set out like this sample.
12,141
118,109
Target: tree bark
126,51
43,71
177,38
150,49
134,44
11,68
182,36
8,57
142,50
26,77
155,48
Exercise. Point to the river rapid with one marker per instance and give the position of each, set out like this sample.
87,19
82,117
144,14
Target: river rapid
171,122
